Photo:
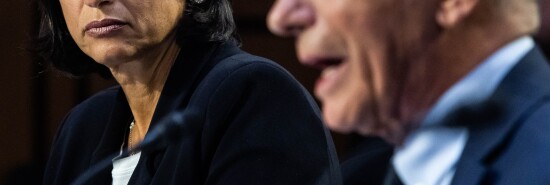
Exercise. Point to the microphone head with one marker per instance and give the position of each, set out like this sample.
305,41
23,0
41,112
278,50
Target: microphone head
476,113
171,129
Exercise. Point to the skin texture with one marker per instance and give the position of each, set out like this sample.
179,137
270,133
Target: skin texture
386,62
139,51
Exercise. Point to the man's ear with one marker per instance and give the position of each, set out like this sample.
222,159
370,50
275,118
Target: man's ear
451,12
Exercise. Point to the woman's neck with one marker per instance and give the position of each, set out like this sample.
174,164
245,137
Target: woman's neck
142,82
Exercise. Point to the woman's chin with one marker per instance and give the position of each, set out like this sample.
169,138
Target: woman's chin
112,58
109,62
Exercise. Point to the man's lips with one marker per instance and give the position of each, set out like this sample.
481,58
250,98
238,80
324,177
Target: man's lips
103,27
331,67
330,78
323,62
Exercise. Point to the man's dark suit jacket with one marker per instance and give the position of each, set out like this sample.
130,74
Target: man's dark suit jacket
510,149
366,161
257,125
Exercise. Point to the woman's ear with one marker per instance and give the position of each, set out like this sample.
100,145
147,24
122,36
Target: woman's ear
451,12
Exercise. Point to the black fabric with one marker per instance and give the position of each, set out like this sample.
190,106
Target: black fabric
257,126
391,177
367,159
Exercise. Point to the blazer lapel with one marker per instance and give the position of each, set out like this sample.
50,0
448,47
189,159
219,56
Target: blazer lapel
113,135
517,94
192,64
190,67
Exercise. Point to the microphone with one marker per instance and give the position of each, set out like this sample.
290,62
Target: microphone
170,129
476,113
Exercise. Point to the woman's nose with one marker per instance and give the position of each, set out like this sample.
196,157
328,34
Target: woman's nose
290,17
97,3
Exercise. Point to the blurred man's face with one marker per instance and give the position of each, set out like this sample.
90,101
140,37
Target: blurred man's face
362,48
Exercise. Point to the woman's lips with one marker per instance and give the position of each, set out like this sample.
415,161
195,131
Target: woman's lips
103,28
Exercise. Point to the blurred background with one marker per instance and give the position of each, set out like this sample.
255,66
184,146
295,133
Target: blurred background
35,100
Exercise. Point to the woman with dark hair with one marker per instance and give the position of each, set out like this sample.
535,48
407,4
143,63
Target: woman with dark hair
253,123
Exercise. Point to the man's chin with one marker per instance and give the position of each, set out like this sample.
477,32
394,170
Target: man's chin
338,123
339,128
340,117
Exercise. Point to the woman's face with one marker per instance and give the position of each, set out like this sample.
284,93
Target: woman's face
114,31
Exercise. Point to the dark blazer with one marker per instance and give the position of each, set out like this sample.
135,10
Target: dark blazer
513,148
257,125
510,147
366,161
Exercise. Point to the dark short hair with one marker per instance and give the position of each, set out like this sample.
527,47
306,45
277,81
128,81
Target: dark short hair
204,22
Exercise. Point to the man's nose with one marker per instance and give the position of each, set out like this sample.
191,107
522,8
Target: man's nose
290,17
